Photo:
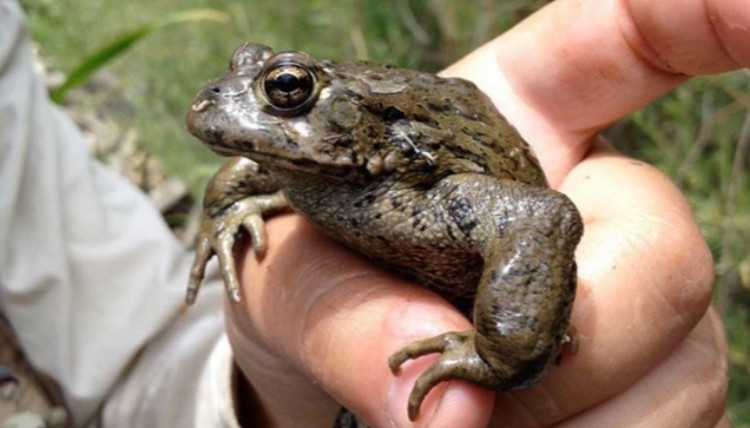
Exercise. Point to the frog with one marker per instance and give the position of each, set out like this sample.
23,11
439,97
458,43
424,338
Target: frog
420,174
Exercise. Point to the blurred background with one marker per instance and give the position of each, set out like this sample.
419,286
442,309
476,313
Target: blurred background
132,105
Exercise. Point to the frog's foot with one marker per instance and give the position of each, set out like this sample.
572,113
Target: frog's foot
458,360
217,235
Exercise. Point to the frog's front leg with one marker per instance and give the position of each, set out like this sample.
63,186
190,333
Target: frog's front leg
238,195
527,237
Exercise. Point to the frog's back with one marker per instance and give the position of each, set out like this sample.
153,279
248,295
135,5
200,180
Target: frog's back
479,138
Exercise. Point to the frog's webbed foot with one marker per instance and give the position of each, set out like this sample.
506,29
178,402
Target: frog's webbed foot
458,360
217,235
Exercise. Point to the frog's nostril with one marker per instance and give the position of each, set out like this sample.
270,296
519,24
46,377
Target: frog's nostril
216,90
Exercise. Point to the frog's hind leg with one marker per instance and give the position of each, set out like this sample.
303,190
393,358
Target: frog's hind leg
522,306
523,303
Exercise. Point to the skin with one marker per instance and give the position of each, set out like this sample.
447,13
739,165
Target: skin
642,310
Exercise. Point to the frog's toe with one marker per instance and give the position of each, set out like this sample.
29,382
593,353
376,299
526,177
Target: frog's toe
426,346
570,340
255,226
217,236
203,252
224,249
569,344
458,360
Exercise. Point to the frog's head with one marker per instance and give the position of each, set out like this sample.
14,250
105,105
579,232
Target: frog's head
244,111
288,111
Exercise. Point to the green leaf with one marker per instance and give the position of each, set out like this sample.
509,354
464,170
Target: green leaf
102,56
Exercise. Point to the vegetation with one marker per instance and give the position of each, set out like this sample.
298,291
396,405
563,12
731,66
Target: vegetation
699,134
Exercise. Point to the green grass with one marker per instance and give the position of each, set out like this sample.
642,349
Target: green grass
699,134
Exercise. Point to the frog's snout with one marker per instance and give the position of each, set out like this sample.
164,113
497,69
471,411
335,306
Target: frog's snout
213,101
201,117
201,105
220,92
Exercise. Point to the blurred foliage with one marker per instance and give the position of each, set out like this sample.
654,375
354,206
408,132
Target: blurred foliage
699,134
100,58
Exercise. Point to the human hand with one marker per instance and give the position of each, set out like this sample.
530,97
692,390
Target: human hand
318,320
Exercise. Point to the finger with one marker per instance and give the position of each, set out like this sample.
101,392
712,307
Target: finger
645,277
320,312
578,65
688,388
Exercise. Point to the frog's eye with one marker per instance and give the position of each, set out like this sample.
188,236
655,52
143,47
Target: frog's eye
289,87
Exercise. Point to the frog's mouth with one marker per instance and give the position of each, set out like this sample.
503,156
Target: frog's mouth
222,150
269,146
285,164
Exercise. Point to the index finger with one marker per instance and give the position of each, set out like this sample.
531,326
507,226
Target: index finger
576,66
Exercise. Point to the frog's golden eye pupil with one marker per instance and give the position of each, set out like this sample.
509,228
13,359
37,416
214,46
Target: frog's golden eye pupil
289,86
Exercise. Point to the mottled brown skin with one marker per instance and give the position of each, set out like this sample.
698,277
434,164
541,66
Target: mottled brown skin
417,172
